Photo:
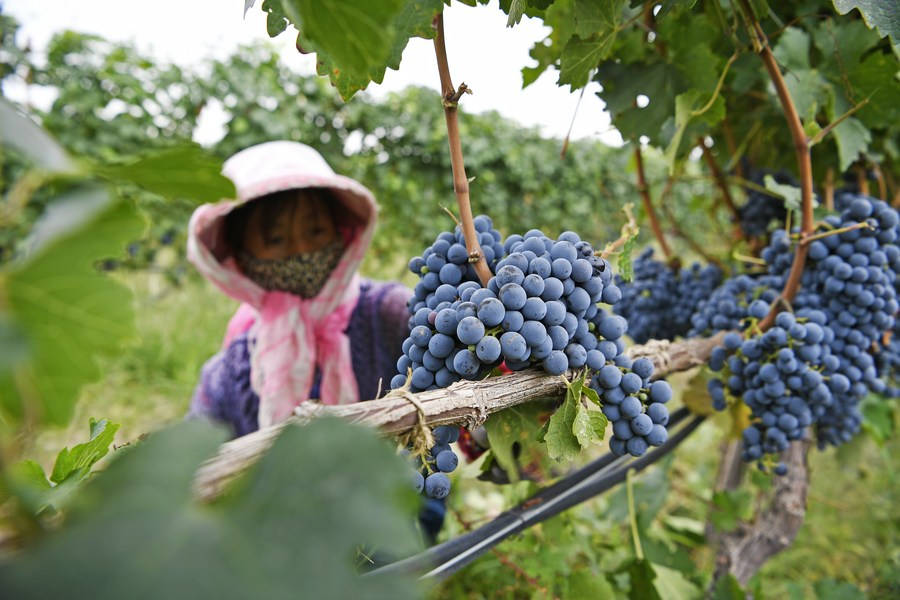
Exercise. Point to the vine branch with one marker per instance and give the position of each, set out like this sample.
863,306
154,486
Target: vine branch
644,190
451,98
467,402
804,163
720,179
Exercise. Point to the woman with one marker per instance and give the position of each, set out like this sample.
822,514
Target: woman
308,328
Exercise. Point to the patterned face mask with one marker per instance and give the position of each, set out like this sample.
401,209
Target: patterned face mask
302,274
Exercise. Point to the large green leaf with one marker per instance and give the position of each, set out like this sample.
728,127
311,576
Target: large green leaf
413,20
356,39
20,132
881,14
181,172
581,56
68,312
289,531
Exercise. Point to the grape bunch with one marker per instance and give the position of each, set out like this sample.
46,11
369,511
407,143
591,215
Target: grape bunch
635,407
786,376
430,475
660,300
539,308
845,307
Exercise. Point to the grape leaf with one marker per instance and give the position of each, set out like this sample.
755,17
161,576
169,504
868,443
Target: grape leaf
673,585
355,34
597,17
78,461
69,312
792,49
692,105
581,56
728,588
624,263
808,90
829,589
562,445
20,132
883,15
276,21
582,426
852,138
412,20
790,194
187,172
293,524
516,425
878,419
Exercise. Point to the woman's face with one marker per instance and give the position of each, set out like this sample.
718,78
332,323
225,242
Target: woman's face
305,225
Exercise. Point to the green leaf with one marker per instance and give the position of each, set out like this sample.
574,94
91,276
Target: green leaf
187,172
878,418
276,20
829,589
581,56
624,262
729,507
597,17
291,527
583,427
852,138
728,588
79,460
516,425
355,34
20,132
642,575
883,15
516,10
413,20
791,195
792,49
29,473
690,106
592,395
69,312
562,445
808,90
673,585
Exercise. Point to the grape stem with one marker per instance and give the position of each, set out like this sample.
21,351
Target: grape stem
720,179
451,96
825,234
629,230
804,161
644,190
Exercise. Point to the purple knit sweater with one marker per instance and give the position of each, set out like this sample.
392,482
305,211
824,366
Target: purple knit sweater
377,328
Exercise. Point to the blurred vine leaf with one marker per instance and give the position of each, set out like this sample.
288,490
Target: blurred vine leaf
516,428
68,312
20,132
186,171
291,526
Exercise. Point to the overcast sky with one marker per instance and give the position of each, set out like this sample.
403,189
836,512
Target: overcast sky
481,50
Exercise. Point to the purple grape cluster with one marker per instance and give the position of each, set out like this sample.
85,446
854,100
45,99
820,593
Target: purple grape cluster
824,356
539,309
635,407
431,477
660,300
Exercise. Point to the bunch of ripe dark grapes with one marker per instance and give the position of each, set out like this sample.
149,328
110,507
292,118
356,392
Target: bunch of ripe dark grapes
660,299
430,475
812,368
541,308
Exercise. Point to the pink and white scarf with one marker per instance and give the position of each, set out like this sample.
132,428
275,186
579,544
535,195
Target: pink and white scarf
292,335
